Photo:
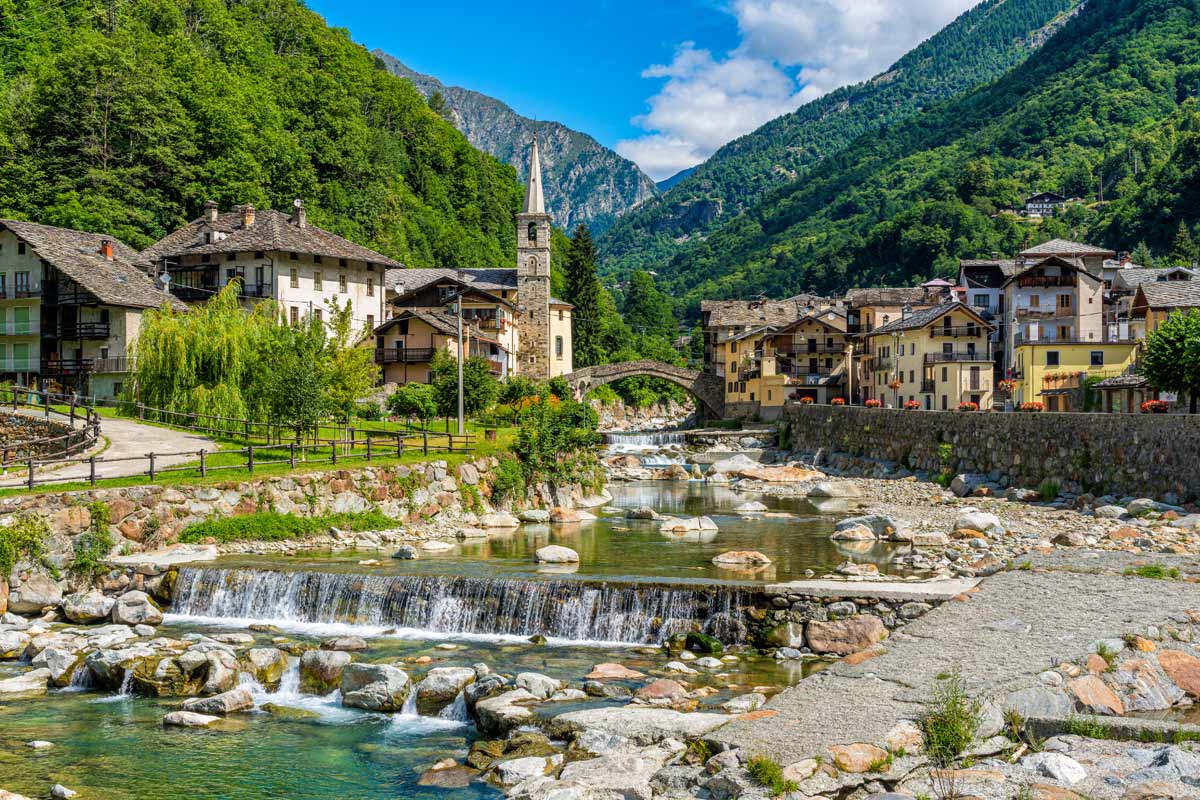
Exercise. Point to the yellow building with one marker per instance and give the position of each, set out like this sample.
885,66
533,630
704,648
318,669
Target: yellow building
938,357
1054,373
1155,301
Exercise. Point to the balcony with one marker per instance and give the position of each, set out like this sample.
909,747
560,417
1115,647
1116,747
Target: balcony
70,294
403,355
956,332
191,294
1036,312
981,356
1046,281
114,364
256,290
76,331
800,350
18,365
19,329
928,386
66,367
22,292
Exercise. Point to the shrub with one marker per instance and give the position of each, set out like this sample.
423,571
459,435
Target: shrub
1031,407
508,482
371,412
1155,407
837,401
968,406
417,400
807,401
767,772
873,403
24,538
1048,490
949,721
912,405
93,545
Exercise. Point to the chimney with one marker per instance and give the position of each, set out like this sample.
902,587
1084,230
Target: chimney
106,249
247,216
299,216
906,312
210,211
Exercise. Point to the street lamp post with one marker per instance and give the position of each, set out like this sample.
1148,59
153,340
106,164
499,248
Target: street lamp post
461,421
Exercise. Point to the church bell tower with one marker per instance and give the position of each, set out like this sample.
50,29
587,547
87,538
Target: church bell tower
533,276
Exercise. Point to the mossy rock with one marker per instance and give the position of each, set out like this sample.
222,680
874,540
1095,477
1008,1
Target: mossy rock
485,752
289,712
704,644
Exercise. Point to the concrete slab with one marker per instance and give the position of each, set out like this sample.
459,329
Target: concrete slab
902,591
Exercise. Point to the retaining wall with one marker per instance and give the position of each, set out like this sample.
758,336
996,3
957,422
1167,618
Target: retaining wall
23,436
1121,454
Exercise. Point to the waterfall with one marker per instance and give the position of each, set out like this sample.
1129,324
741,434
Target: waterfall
572,610
456,711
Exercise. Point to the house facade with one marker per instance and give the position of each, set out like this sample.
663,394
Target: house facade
1044,204
272,256
71,307
509,315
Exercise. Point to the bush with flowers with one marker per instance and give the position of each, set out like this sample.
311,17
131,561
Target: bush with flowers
1155,407
873,403
806,401
1007,386
1033,406
968,406
912,405
838,401
894,386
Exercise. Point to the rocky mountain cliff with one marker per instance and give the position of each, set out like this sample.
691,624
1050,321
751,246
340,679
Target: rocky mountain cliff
584,181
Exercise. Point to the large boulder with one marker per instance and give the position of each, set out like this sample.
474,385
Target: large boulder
230,702
826,489
321,670
266,664
641,724
882,527
34,595
62,663
779,474
374,687
537,684
136,608
733,465
496,716
845,636
84,607
741,559
971,519
31,684
13,644
189,719
556,554
441,685
499,519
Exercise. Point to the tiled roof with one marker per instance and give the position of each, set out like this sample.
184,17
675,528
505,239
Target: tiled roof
891,296
744,313
120,282
981,272
1171,294
272,230
1062,247
924,316
1133,277
488,279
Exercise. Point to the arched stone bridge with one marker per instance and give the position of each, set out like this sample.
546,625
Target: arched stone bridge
708,390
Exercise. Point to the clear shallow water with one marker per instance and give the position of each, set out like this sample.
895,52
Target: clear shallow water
615,548
117,748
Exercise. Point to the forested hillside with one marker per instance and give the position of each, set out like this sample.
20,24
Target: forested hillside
979,46
126,116
1110,99
584,181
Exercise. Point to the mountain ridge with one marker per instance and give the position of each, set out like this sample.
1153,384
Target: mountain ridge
584,181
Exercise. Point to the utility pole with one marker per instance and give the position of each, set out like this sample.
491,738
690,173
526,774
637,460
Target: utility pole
850,372
461,424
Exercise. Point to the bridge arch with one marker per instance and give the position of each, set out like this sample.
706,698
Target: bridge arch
707,389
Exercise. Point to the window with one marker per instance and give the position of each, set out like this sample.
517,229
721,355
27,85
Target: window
752,397
317,314
560,315
231,257
1064,332
733,347
945,403
21,357
294,256
1035,301
945,374
558,347
342,283
20,248
342,263
259,254
316,259
3,284
1064,301
258,276
1051,358
370,287
295,274
104,352
371,321
981,301
911,376
402,326
294,315
21,283
531,233
1097,358
770,394
20,320
317,281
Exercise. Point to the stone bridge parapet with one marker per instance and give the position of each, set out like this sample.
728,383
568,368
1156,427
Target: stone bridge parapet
708,390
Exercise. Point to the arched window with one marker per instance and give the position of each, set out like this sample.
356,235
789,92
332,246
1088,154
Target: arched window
533,263
532,233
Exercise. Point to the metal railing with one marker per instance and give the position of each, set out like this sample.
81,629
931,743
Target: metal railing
114,364
403,355
981,356
969,331
81,330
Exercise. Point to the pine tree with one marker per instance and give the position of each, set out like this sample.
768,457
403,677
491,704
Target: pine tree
583,291
647,310
1142,255
1183,249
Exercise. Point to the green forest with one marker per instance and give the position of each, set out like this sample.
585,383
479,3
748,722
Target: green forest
124,117
978,47
1110,101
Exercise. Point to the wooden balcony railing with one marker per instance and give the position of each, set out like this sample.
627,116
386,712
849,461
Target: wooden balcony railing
403,355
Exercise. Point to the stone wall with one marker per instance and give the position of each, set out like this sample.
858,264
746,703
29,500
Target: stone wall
1121,454
17,429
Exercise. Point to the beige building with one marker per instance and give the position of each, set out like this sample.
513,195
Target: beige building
273,256
71,306
938,357
725,320
509,315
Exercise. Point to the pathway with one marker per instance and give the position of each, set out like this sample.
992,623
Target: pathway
129,439
1018,624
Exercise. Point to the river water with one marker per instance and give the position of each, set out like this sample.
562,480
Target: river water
477,603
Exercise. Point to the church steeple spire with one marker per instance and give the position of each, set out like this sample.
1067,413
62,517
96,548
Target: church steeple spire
535,201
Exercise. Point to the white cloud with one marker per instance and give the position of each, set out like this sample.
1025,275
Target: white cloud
791,52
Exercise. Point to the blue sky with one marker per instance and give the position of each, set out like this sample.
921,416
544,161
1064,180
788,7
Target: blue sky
665,83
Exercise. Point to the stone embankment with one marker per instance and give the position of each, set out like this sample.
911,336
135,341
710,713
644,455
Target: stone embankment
668,415
23,436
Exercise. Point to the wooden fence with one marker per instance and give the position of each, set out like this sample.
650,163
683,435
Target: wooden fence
45,404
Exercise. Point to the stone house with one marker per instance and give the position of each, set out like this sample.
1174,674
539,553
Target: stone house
939,357
71,307
529,330
272,256
724,320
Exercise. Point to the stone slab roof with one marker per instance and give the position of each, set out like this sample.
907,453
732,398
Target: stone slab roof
987,273
121,282
1133,277
1122,382
1063,247
1171,294
743,313
489,279
272,231
889,296
922,317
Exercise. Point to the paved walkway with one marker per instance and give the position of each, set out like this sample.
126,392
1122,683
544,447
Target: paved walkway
1018,624
129,439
